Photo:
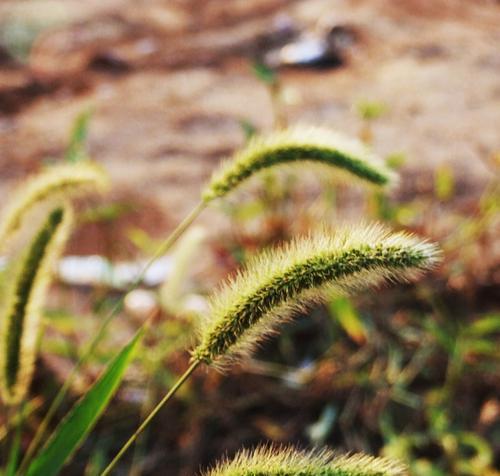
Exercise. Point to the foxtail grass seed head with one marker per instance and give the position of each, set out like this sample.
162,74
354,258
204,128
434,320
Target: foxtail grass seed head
22,300
63,181
313,144
289,461
280,282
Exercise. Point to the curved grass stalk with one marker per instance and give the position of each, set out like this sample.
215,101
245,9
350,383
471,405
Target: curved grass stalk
310,144
281,282
21,315
66,180
290,461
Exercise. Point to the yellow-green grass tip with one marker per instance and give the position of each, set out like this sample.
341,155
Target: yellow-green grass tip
299,144
56,181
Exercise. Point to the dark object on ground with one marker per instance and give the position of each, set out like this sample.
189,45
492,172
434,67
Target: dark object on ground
328,49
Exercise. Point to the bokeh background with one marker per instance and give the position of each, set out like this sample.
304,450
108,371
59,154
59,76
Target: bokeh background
159,92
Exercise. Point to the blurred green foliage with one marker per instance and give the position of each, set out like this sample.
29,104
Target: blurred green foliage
370,110
76,149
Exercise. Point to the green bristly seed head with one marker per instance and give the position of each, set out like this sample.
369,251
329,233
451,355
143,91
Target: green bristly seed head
20,313
312,269
313,144
58,181
289,461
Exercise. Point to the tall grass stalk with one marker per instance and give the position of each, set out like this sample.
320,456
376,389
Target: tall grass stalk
151,415
61,394
283,281
21,314
283,147
280,282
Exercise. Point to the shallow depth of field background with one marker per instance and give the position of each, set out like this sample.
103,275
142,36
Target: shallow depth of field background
165,89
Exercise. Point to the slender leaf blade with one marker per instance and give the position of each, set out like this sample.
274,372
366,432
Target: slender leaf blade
347,316
73,430
16,446
79,133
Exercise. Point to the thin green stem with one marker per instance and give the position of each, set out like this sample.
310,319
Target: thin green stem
151,415
162,249
16,442
146,407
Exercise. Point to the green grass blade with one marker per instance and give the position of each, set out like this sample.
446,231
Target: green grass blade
76,148
81,419
16,446
350,320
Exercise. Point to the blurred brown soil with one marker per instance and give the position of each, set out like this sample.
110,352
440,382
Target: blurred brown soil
169,81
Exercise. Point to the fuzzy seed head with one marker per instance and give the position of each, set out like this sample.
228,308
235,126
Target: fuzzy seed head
283,281
290,461
20,313
299,143
58,181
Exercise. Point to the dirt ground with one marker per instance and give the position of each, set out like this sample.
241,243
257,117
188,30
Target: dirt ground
169,82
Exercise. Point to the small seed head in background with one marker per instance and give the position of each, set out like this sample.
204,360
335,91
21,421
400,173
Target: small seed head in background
294,145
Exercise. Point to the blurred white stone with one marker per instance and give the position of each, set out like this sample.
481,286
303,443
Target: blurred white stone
195,304
159,271
97,271
306,50
84,270
141,303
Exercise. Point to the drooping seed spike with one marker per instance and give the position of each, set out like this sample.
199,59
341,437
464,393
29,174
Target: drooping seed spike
22,300
57,181
298,144
282,281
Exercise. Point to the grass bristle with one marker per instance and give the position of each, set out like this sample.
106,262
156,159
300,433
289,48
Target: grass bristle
283,281
22,301
290,461
55,182
299,144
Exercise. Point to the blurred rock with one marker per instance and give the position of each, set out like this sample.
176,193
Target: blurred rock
141,303
98,271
